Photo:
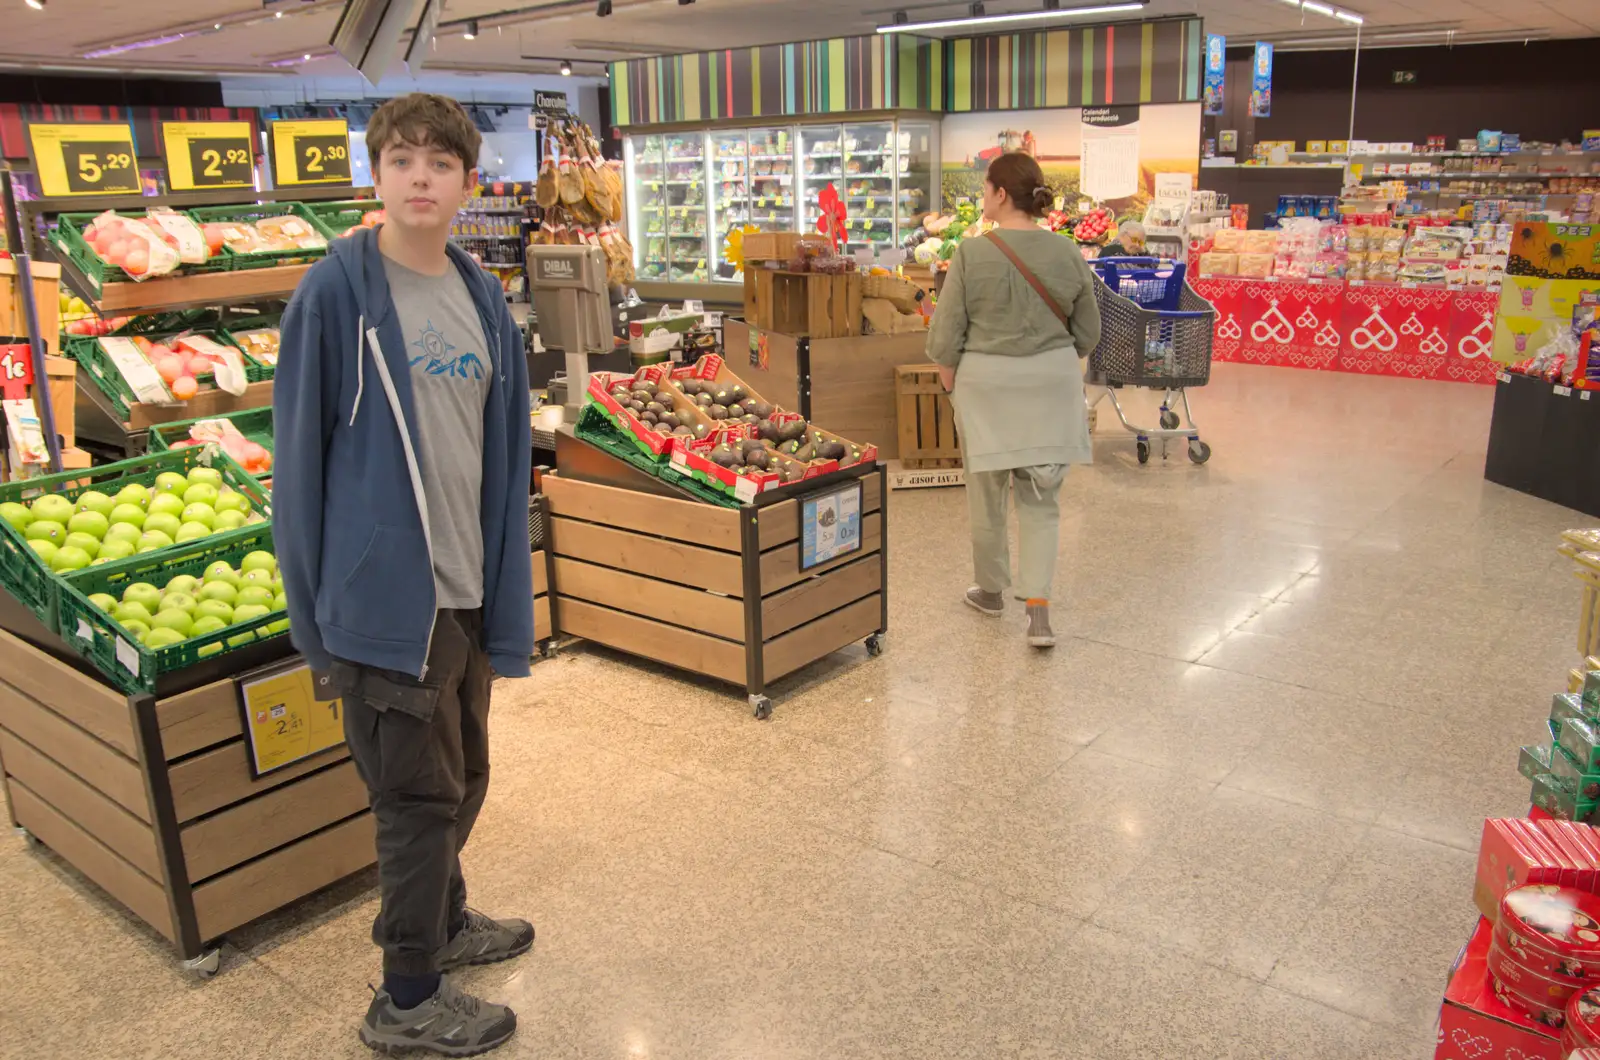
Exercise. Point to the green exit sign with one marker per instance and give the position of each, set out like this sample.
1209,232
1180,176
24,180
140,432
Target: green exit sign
1404,77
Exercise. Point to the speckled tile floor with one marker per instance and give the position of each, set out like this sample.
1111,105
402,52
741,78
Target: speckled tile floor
1234,814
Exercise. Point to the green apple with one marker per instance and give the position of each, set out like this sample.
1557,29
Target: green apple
69,558
172,618
280,602
207,624
203,514
229,520
136,495
151,540
171,482
218,609
45,530
137,626
232,502
127,515
162,523
53,507
246,612
254,596
225,592
171,601
259,560
142,593
241,640
92,523
201,493
274,628
209,649
191,532
88,542
209,476
16,514
131,611
95,501
164,637
104,601
45,549
166,503
116,548
221,571
256,577
183,583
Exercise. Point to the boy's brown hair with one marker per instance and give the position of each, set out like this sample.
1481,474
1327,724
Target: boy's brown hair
422,119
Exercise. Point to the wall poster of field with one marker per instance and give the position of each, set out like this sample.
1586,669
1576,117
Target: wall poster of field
1168,138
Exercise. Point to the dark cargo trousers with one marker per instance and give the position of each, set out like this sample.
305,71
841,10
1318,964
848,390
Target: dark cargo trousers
422,748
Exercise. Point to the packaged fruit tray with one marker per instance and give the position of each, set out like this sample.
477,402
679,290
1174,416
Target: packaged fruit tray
29,571
599,430
140,618
69,239
250,214
254,424
239,331
340,217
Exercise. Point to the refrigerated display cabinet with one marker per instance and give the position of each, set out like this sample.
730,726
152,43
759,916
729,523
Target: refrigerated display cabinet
667,191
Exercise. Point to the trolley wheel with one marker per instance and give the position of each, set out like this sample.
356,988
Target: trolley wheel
1169,420
33,840
204,966
551,649
875,644
1199,451
1143,448
761,707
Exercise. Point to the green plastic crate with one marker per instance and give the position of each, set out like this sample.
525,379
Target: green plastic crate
68,239
33,583
256,212
93,359
254,424
340,217
596,428
231,326
114,651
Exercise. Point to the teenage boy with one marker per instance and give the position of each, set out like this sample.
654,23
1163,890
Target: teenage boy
401,489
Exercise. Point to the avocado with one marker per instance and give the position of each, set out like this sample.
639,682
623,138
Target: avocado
636,406
640,395
701,430
690,387
738,392
724,456
655,406
702,399
831,451
760,408
647,416
790,447
723,397
685,431
645,385
757,458
718,412
750,418
768,431
793,432
622,393
805,453
667,420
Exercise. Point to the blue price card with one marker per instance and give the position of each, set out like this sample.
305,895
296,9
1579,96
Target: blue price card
830,525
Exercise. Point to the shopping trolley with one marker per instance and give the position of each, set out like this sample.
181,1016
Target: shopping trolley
1155,332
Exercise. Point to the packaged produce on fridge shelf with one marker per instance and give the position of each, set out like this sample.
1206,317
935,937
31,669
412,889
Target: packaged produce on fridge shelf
133,245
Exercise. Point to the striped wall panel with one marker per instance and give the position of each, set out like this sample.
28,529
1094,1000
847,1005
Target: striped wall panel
146,122
1077,66
881,72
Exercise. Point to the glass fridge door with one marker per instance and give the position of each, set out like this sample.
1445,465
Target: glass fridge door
687,253
730,196
821,164
648,189
869,171
915,194
772,180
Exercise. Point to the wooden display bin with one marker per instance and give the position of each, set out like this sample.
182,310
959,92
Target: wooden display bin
153,800
46,294
716,591
847,385
927,419
813,304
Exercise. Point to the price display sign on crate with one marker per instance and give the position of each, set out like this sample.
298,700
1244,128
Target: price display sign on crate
84,158
312,151
208,154
830,525
283,720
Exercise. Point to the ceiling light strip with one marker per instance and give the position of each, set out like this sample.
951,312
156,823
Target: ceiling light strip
1024,16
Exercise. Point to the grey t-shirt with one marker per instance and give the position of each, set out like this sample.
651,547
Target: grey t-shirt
450,368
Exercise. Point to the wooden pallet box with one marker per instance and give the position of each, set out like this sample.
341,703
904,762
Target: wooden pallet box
806,304
926,418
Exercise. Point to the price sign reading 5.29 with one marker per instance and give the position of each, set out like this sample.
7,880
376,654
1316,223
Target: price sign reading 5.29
310,152
84,158
208,154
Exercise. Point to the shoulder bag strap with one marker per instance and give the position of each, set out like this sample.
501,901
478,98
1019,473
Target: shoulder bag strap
1033,281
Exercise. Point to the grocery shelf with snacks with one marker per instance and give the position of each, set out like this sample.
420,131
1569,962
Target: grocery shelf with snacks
667,180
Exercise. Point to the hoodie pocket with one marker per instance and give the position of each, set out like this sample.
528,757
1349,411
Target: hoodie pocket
384,595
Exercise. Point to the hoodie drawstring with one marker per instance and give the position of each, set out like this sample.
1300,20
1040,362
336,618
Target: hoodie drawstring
361,362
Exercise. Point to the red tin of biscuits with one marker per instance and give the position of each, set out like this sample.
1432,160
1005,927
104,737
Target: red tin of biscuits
1558,920
1583,1022
1579,970
1541,997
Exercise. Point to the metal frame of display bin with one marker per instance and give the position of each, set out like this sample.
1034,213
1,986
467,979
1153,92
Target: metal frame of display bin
1147,304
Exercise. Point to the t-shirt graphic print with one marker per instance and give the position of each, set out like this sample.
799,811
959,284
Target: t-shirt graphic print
438,356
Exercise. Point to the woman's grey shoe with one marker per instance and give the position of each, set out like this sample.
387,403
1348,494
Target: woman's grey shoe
485,940
991,604
1040,635
450,1023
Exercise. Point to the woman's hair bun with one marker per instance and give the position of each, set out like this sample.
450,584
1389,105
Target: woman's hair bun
1043,195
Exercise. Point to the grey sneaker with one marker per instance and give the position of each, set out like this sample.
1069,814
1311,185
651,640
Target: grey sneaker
450,1023
991,604
485,940
1040,635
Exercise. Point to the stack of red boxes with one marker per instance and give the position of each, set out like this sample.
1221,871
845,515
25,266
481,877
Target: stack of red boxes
1546,950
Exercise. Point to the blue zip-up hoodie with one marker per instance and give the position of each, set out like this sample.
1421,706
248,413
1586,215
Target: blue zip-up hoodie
348,506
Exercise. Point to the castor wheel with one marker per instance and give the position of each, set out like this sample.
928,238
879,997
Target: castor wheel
761,707
1199,451
1169,420
551,649
875,645
1142,447
23,833
204,966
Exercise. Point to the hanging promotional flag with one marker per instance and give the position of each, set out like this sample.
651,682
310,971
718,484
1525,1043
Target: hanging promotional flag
1216,47
1261,82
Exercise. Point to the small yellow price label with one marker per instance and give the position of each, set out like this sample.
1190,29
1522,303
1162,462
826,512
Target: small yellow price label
655,186
283,719
867,225
871,203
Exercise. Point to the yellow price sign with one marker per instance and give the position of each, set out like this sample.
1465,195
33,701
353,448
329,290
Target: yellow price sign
208,154
655,185
871,203
84,158
283,719
313,151
867,225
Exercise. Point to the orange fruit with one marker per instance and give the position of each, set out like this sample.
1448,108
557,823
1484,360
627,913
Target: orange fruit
185,387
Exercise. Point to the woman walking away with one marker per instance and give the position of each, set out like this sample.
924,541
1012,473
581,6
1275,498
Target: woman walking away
1017,306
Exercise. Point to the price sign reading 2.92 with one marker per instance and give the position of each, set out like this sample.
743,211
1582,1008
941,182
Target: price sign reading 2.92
310,152
208,154
84,158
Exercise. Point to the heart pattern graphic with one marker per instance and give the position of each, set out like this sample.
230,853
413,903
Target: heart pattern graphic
1471,1045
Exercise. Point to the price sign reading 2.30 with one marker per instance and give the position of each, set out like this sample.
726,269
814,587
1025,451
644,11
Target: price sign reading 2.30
310,152
208,154
84,158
